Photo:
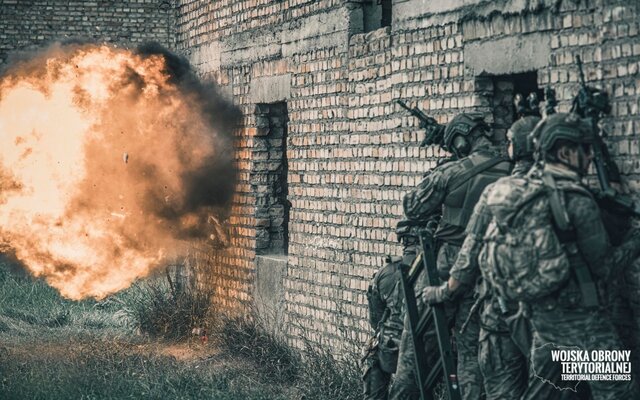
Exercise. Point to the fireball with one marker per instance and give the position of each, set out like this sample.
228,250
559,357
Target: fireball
101,152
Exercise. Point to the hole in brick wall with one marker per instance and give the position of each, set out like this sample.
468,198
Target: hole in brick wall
501,90
376,14
269,179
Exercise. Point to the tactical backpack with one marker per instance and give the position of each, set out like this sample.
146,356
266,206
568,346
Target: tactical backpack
522,257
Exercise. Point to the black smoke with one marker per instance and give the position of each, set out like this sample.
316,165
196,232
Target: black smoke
213,184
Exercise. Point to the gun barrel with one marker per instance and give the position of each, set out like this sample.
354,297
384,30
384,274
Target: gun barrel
580,70
404,105
416,112
600,165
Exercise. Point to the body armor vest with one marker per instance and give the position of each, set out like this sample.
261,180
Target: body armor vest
464,190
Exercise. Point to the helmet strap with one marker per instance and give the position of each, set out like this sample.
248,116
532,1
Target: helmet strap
581,159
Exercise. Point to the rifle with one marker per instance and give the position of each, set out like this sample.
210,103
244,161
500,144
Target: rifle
550,100
434,130
432,317
592,104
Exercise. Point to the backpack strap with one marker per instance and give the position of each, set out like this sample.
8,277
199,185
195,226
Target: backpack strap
561,218
558,210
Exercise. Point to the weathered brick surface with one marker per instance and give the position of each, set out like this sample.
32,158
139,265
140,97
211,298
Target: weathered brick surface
352,151
27,24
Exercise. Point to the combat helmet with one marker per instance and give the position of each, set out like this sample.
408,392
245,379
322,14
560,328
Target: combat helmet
460,132
520,136
561,126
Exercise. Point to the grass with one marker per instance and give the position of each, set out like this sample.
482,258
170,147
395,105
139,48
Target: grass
248,336
108,369
138,344
326,376
314,371
27,303
167,308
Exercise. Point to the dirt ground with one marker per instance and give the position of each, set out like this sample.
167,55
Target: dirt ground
52,348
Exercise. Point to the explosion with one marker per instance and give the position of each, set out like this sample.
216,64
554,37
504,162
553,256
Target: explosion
110,161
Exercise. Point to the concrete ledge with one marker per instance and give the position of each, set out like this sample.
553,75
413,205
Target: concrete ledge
508,55
269,286
269,89
335,39
250,46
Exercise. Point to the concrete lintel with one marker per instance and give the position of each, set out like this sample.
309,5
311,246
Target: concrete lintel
420,14
250,46
316,25
206,57
269,89
409,9
316,31
508,55
337,39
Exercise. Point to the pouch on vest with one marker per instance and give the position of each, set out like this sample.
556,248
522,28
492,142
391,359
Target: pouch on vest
520,332
388,355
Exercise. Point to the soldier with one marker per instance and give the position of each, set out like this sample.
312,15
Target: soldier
572,314
502,361
386,298
386,318
626,312
453,188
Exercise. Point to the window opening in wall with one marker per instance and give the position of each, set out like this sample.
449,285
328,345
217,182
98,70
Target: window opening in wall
376,14
505,88
269,179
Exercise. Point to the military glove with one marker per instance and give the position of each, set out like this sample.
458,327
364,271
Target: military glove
436,294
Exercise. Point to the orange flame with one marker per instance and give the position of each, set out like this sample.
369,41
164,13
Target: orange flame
95,142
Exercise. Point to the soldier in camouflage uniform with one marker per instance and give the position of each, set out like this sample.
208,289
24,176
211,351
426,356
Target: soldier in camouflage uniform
453,188
386,318
624,294
386,298
625,307
502,361
569,317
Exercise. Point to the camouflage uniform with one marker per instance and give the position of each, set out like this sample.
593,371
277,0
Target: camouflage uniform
625,293
566,318
561,320
448,188
385,317
502,361
625,306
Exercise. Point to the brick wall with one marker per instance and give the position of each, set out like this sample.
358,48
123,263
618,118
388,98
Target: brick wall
27,24
352,151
